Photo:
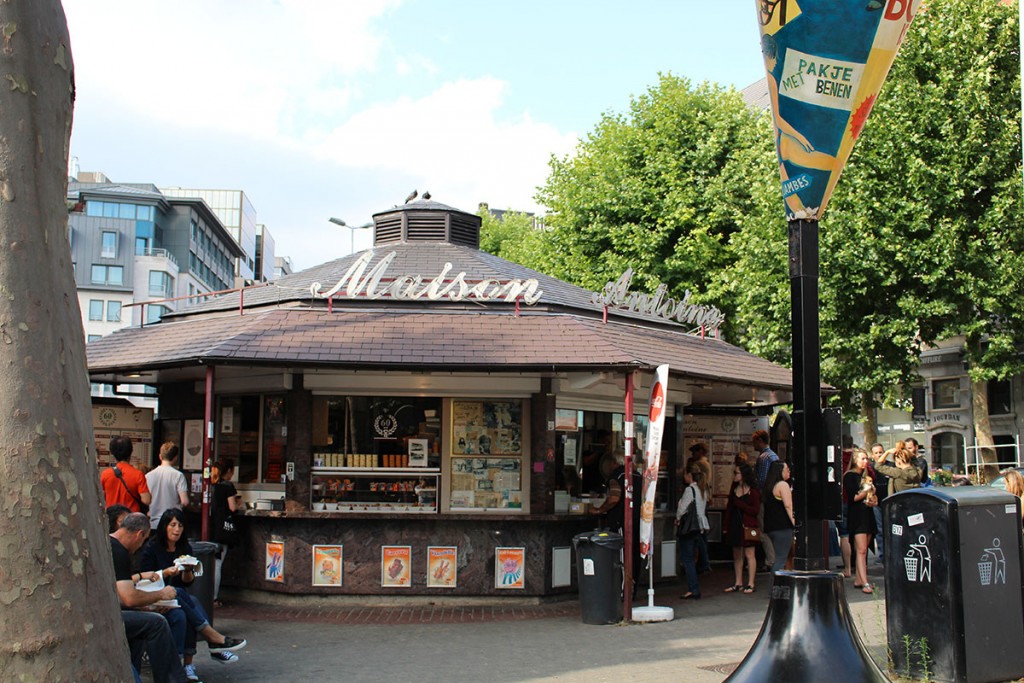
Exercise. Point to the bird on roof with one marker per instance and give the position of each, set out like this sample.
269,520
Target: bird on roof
426,195
412,196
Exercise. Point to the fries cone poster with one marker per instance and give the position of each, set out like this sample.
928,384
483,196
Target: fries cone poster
825,62
442,569
652,456
396,566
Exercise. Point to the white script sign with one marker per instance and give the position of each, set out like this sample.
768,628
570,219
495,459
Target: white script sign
357,281
617,294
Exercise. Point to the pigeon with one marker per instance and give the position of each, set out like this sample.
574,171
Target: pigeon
412,196
426,195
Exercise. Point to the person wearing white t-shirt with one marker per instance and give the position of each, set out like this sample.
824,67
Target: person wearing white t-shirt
166,484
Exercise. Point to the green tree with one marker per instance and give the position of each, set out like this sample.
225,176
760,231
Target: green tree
924,241
515,236
663,190
60,615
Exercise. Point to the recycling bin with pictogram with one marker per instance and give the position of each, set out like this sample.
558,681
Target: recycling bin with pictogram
954,589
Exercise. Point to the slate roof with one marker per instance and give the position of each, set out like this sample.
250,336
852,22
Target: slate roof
459,340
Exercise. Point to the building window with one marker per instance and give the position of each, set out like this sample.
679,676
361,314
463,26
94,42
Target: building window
107,275
154,312
93,337
95,309
113,311
109,245
948,452
945,393
1000,397
161,284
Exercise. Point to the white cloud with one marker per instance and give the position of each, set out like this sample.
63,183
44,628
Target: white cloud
454,141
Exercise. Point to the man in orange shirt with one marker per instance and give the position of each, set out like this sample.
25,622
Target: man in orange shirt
122,483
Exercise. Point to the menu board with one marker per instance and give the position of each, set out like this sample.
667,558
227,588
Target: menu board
725,436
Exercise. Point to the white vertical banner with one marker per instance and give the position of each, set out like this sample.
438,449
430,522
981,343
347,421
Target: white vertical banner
652,456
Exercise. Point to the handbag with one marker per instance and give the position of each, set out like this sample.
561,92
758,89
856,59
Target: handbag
751,533
690,522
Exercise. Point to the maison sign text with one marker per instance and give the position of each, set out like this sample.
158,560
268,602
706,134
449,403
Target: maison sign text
359,279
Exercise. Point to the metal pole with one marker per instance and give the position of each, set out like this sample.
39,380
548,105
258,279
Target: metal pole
627,516
207,452
808,422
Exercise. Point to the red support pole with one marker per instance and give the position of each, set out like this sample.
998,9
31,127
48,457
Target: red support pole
627,517
207,453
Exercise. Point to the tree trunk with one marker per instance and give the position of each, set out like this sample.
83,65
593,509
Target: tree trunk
60,615
983,430
870,418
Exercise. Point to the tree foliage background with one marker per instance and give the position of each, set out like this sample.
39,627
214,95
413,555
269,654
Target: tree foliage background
923,239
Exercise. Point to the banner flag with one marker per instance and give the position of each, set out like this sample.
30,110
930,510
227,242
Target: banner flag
825,62
652,456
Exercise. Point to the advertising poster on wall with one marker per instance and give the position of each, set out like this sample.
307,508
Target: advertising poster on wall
510,568
396,566
442,567
192,446
328,565
275,562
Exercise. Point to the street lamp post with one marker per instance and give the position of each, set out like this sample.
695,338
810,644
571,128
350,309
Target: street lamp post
351,231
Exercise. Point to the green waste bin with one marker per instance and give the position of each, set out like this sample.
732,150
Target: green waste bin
599,574
202,588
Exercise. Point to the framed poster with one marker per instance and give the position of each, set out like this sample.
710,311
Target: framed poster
510,568
328,565
192,446
396,566
442,566
487,427
275,562
418,452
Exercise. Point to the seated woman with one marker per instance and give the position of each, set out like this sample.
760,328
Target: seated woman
168,543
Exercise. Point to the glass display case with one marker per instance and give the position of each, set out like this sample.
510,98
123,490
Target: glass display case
395,489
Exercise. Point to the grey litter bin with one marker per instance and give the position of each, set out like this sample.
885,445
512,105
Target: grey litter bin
202,588
953,584
599,574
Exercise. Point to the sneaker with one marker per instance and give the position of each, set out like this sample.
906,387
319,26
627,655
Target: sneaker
229,645
224,657
190,673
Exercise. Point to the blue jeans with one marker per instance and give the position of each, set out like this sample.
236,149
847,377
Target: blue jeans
687,548
703,558
879,537
151,632
196,618
782,541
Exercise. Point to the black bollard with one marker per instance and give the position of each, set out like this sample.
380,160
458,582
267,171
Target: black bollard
807,635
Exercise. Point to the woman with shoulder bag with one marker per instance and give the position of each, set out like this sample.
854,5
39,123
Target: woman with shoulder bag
691,523
741,526
226,502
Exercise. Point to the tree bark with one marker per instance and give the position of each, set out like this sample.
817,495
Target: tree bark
60,618
983,430
870,417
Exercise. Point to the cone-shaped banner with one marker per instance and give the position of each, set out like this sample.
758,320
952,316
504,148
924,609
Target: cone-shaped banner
825,61
652,456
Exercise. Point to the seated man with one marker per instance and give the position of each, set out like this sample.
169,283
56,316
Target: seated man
149,631
128,538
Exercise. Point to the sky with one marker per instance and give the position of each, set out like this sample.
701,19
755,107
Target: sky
321,108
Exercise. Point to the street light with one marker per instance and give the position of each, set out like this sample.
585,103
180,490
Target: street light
352,231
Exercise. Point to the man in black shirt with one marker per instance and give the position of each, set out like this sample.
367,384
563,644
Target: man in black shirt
162,632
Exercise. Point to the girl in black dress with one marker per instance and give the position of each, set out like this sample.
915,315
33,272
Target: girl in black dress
860,517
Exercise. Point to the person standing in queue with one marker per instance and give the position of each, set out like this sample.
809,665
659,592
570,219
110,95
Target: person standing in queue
860,521
614,509
122,483
740,512
699,458
779,521
226,502
765,457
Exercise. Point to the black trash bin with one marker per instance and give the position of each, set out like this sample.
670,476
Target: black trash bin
202,588
599,574
953,584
